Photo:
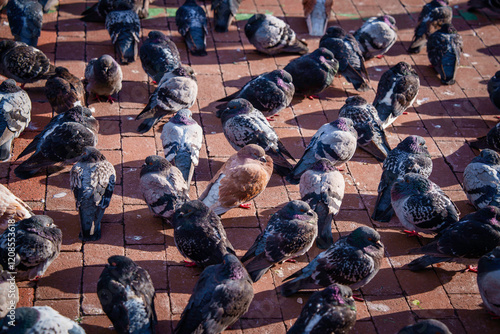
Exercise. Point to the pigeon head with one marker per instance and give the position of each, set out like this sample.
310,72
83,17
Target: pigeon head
488,214
410,184
282,78
441,3
156,36
38,221
183,116
190,211
338,294
106,62
6,45
91,154
413,144
365,237
222,15
489,262
184,71
323,165
232,268
254,152
488,156
155,163
390,21
403,68
326,58
356,100
335,32
9,86
83,116
344,124
253,24
235,107
448,28
61,71
496,78
121,266
298,210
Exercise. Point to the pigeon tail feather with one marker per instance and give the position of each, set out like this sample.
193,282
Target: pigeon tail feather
425,261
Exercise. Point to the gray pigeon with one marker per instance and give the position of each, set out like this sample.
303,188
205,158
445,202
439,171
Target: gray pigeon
270,92
191,21
397,90
25,20
177,90
9,293
92,180
376,36
39,319
317,13
15,115
494,89
181,138
38,242
127,295
124,27
99,11
335,141
199,234
479,4
163,186
433,15
482,179
371,135
426,326
243,124
491,140
332,310
346,50
488,280
104,77
224,13
158,55
221,296
322,187
421,205
64,90
353,260
410,156
444,48
289,233
271,36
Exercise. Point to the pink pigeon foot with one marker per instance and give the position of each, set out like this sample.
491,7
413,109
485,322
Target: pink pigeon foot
472,269
189,263
245,206
379,56
412,233
111,99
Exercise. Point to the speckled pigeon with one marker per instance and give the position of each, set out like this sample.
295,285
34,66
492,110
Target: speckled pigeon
191,21
488,280
15,115
353,260
444,48
9,293
371,135
103,77
491,140
243,124
38,242
271,35
335,141
99,11
397,90
64,90
410,156
124,27
471,237
181,138
426,326
25,20
314,72
199,234
317,13
493,5
221,296
322,187
494,89
11,208
224,13
346,50
158,55
39,319
376,36
127,294
177,90
332,310
270,92
433,15
289,233
482,179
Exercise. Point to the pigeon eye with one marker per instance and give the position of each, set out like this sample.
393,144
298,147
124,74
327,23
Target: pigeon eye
370,239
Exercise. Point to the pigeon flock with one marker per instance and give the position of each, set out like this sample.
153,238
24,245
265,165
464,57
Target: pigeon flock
224,291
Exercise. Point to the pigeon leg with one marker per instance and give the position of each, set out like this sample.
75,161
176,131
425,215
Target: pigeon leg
379,56
97,97
245,206
189,263
359,299
493,316
312,97
472,269
22,85
271,118
111,99
292,260
412,233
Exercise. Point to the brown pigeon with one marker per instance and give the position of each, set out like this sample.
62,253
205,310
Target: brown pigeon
64,90
11,207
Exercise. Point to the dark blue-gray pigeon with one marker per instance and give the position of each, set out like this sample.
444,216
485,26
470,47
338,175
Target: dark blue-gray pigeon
493,5
64,90
317,14
224,13
25,20
289,233
376,36
103,77
158,55
488,280
353,260
444,48
426,326
482,179
124,27
494,89
491,140
191,21
39,319
99,11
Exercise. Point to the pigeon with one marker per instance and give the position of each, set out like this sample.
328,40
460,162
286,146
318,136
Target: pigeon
15,115
12,208
331,310
396,91
9,293
181,138
421,205
92,180
322,187
163,187
191,21
158,55
353,260
25,20
242,178
410,156
224,13
243,124
270,92
314,72
127,294
124,27
104,77
38,319
99,11
432,17
482,179
317,14
376,36
38,242
371,135
289,233
14,54
345,49
444,48
335,141
199,234
488,280
494,89
271,35
471,237
177,90
491,140
221,296
64,90
480,4
426,326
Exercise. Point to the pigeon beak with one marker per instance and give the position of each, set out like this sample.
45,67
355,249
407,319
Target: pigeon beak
379,244
263,159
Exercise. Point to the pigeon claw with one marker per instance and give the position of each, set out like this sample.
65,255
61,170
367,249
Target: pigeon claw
379,56
291,260
37,278
111,99
405,113
189,263
245,206
270,118
312,97
472,269
412,233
